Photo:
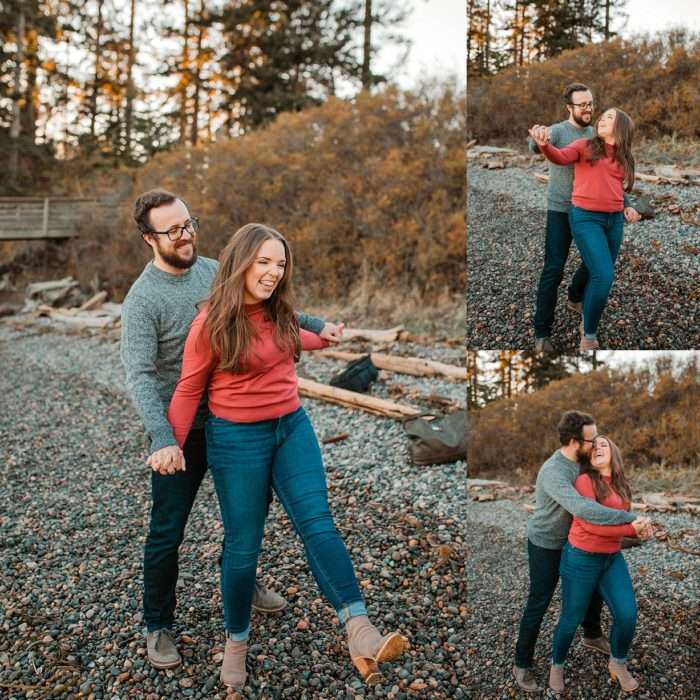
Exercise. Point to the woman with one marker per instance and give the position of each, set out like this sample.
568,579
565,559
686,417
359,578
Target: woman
603,171
241,349
592,560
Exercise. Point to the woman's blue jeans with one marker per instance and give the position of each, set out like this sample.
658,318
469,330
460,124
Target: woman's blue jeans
598,237
244,459
582,573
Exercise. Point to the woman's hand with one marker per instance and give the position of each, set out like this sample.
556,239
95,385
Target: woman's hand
167,460
643,527
540,134
332,332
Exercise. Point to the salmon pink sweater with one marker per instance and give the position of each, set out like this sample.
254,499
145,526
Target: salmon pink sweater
600,539
598,186
266,389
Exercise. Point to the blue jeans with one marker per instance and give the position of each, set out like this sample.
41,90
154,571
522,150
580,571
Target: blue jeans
245,459
556,251
598,236
173,496
544,577
582,574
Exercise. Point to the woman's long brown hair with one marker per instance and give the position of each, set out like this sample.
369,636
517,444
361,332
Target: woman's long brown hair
623,131
619,481
230,331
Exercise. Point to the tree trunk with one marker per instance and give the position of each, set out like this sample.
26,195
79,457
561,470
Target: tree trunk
130,82
367,47
16,127
96,73
197,77
184,69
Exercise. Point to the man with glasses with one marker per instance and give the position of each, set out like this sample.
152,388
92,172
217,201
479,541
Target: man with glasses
556,501
156,318
578,100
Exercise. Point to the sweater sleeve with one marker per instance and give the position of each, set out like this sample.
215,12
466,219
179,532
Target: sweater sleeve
561,156
584,485
197,365
560,489
139,351
310,323
312,341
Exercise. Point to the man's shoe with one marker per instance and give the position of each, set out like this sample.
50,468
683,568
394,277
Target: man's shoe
162,652
599,644
574,306
267,601
525,679
543,345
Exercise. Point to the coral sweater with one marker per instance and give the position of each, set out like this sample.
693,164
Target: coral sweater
599,539
598,186
266,389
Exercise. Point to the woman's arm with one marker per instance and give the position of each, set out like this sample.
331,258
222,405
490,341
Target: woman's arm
584,485
197,365
560,156
311,341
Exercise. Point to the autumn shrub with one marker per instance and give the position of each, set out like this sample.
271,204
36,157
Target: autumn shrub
656,80
650,412
370,193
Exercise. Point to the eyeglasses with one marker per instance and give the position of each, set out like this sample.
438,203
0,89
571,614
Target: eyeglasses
174,233
582,105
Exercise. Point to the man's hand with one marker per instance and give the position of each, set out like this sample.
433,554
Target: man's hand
167,460
332,332
643,528
632,216
540,134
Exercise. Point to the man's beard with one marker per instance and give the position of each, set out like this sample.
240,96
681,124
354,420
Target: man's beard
580,121
582,458
173,259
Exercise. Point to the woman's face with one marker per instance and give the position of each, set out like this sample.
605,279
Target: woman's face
601,455
606,124
263,276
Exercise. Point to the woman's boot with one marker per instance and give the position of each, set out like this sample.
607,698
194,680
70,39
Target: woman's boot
233,668
556,678
368,648
619,673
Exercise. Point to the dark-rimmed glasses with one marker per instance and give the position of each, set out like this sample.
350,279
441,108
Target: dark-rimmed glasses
582,105
174,233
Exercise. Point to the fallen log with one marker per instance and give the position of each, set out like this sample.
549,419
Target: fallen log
40,287
351,399
94,302
75,317
384,336
415,366
660,179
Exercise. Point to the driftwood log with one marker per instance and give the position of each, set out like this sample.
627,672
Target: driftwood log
386,336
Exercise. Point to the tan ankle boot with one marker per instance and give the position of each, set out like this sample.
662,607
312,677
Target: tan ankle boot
556,678
233,668
368,648
619,673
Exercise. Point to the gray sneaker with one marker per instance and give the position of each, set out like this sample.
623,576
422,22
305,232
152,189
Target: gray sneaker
599,644
525,678
162,652
543,345
267,601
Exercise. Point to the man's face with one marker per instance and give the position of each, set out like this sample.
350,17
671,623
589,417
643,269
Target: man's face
581,107
583,453
181,253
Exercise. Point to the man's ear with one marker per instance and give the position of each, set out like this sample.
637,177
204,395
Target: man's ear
147,239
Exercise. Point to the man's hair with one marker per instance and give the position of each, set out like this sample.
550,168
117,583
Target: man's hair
151,200
572,88
571,426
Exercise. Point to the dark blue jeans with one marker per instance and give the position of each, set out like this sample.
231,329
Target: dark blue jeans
173,496
556,251
245,459
544,577
582,575
598,236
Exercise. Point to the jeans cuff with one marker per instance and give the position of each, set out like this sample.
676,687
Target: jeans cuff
238,636
621,661
351,610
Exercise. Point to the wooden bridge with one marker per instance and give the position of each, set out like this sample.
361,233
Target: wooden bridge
44,218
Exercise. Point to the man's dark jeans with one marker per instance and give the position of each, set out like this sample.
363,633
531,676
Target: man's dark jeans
544,576
556,251
173,496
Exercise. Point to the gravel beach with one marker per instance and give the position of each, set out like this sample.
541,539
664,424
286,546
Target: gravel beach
665,650
655,299
74,512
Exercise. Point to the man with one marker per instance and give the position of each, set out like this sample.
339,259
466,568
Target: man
547,530
156,317
579,104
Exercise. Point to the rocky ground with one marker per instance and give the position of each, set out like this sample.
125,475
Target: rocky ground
73,515
655,300
665,650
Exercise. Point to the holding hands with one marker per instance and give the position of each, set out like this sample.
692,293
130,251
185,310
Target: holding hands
643,528
540,134
167,460
332,332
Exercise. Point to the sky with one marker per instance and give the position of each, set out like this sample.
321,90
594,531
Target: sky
653,15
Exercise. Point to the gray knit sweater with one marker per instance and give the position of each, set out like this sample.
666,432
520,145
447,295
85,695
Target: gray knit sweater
556,501
156,318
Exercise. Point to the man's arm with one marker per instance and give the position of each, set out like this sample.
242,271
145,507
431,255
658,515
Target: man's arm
139,350
310,323
558,487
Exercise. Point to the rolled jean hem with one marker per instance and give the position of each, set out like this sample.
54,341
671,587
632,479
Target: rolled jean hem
618,661
354,609
238,636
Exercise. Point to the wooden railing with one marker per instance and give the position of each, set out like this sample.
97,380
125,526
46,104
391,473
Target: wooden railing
41,218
